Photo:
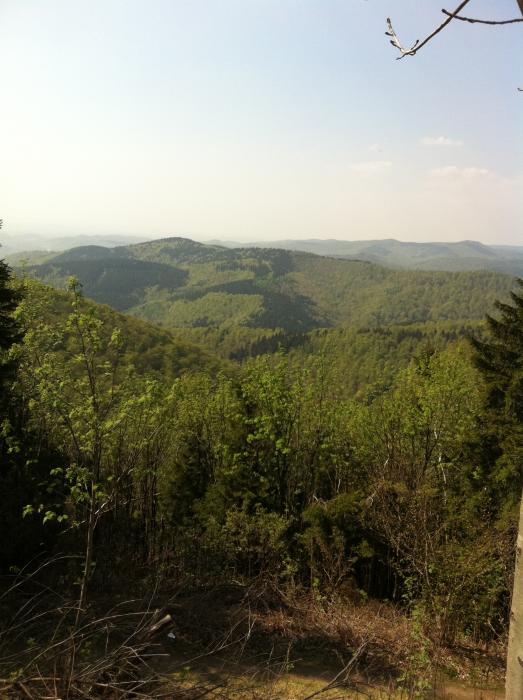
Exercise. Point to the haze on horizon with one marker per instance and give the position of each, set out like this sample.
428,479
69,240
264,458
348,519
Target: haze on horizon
250,120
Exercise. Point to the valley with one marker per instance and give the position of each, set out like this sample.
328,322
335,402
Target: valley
261,350
178,283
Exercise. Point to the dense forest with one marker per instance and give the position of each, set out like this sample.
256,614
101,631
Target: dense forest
179,283
347,446
464,255
415,255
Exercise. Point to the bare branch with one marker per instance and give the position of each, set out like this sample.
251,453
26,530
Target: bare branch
471,20
417,44
396,42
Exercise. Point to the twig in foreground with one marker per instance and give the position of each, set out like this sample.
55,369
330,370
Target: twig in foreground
417,44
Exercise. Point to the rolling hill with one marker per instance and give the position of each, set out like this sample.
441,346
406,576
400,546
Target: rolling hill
179,283
148,348
464,255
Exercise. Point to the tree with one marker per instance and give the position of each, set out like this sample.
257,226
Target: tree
14,451
105,420
449,16
9,331
411,443
500,359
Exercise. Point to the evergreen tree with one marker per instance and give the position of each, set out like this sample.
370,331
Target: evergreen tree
15,479
9,331
501,361
500,358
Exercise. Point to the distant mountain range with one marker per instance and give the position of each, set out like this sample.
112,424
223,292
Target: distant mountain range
180,283
32,242
452,257
465,255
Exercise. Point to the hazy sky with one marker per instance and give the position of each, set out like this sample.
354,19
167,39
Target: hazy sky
259,119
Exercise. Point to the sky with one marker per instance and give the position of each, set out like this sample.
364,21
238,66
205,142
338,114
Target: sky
259,120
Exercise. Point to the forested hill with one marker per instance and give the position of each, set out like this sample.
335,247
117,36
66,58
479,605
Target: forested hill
180,283
452,257
149,349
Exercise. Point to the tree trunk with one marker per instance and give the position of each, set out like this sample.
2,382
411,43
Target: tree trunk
514,681
89,545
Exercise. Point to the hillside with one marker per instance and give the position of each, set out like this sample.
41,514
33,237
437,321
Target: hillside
373,356
454,257
148,348
179,283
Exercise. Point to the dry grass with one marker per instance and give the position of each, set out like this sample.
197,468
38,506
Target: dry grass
232,643
296,645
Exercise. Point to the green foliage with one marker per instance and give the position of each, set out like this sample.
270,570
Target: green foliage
373,356
9,330
216,309
421,504
354,462
500,360
463,255
150,350
180,283
257,542
333,539
25,456
91,406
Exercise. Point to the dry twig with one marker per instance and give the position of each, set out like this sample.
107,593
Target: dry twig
491,22
417,44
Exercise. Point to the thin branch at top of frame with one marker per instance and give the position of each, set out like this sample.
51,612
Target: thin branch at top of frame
472,20
417,44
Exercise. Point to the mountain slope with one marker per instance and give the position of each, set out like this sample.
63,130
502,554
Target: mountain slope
119,282
464,255
148,348
180,283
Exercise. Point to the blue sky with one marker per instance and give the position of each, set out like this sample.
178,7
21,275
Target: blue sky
259,119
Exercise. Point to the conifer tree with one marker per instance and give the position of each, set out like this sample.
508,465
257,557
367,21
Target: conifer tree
500,359
9,331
